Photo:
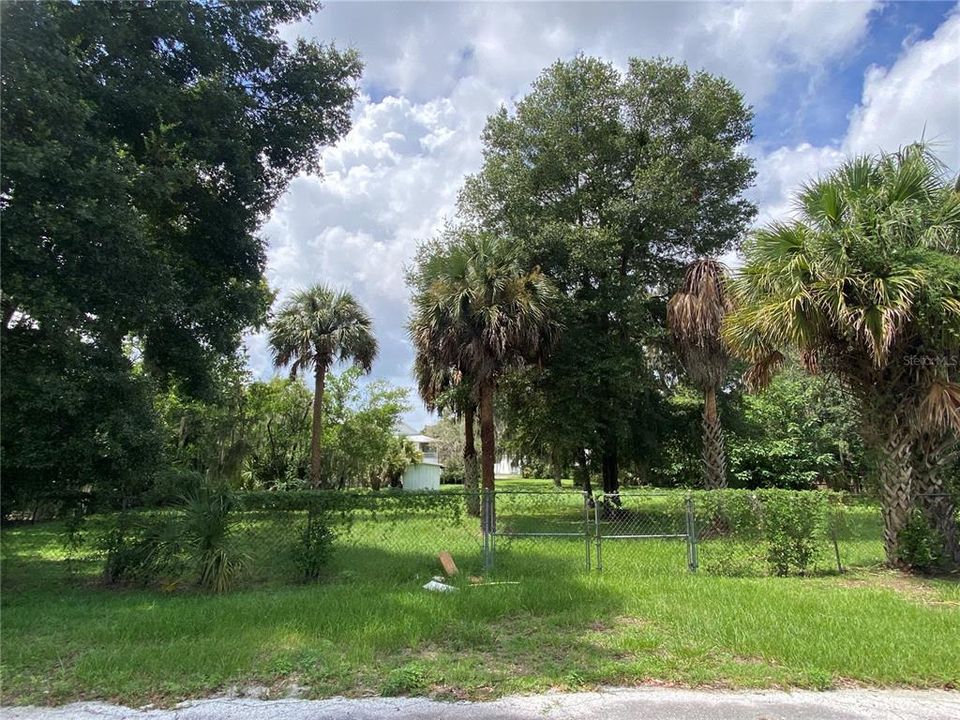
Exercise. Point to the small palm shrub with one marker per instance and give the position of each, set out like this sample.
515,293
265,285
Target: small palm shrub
206,534
314,547
194,543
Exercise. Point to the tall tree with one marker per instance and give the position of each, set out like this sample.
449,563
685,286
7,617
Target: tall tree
143,144
312,329
695,315
609,182
476,308
865,284
444,388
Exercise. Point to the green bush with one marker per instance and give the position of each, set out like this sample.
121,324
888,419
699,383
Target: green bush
314,547
784,530
141,551
193,543
793,529
172,484
452,476
919,545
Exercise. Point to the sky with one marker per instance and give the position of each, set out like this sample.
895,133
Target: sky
825,80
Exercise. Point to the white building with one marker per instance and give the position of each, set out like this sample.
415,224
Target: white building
424,475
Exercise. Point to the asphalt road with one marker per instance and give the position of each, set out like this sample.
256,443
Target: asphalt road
613,704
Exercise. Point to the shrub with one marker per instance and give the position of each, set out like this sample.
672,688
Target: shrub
195,542
141,551
793,529
786,530
919,545
314,547
207,538
172,484
453,476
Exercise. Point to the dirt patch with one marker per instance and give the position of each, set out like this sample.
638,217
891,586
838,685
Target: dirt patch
909,587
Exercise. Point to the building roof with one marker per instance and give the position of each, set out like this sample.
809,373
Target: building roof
420,438
401,428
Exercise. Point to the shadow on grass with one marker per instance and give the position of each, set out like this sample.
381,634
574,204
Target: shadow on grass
343,634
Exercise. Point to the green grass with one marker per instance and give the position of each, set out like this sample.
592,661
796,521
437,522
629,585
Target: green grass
370,629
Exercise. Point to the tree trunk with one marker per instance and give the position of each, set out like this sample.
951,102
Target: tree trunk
488,454
316,433
610,468
583,472
471,467
931,457
714,458
896,475
556,467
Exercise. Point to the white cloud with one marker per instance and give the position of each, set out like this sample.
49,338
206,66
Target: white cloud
780,172
422,50
392,181
918,95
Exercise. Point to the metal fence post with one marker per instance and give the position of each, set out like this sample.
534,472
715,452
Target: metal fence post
691,536
486,518
597,534
586,528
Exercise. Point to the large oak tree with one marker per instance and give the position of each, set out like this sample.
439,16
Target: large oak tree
611,182
143,143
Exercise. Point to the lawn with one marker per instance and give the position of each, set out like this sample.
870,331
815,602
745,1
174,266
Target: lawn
369,628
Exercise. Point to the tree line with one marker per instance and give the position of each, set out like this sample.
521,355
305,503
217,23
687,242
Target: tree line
577,285
572,311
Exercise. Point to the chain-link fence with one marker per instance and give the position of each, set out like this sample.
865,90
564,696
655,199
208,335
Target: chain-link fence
630,530
267,536
399,535
534,531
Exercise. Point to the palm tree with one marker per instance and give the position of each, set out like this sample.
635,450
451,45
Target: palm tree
866,285
444,388
695,315
314,328
479,312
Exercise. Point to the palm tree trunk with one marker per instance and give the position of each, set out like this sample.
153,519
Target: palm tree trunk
316,433
488,454
714,458
896,475
471,467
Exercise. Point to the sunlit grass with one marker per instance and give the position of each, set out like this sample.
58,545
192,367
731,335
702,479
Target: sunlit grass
370,628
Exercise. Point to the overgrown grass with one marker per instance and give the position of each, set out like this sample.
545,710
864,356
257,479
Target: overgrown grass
369,628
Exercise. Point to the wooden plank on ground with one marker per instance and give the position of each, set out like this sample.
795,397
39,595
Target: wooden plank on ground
449,566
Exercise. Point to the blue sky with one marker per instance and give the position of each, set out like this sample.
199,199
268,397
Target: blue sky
825,80
812,107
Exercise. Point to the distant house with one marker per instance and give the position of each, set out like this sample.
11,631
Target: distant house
424,475
507,467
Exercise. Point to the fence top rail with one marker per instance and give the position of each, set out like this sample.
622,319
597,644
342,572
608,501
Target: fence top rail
544,491
665,492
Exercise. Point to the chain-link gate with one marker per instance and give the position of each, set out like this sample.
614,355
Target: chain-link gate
633,517
524,528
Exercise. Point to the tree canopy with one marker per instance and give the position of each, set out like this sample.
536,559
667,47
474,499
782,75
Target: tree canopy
610,183
143,144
